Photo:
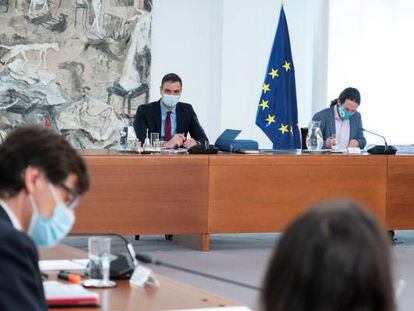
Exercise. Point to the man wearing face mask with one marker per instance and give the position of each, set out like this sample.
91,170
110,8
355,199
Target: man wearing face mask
342,119
170,117
41,180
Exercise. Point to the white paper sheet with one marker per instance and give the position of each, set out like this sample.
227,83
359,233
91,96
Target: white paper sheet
74,264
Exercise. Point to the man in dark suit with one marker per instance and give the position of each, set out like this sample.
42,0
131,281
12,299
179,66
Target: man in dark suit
169,117
42,178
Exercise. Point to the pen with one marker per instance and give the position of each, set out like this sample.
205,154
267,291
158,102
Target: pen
71,277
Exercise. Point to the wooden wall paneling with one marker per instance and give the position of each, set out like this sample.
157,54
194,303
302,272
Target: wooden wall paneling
145,195
261,193
400,192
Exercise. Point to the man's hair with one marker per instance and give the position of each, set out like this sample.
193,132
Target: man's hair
42,148
171,77
334,257
349,93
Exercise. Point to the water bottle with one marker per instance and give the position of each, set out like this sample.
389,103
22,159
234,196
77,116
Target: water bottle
314,139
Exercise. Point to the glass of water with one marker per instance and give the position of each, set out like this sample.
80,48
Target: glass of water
334,142
157,146
99,262
154,138
206,145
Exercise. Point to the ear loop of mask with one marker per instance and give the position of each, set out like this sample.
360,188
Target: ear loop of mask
74,203
33,203
54,194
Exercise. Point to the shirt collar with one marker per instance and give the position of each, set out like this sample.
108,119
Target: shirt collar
15,222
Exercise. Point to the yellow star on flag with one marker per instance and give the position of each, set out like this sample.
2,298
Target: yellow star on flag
291,129
286,66
264,104
266,88
270,119
274,73
283,128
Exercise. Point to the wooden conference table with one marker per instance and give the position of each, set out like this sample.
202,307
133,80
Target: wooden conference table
192,196
170,295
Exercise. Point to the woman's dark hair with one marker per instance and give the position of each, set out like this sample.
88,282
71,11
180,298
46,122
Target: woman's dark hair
349,93
43,148
335,257
171,77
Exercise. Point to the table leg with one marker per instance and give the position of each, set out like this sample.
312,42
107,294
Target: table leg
199,242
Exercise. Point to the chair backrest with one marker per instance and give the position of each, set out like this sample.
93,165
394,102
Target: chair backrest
303,133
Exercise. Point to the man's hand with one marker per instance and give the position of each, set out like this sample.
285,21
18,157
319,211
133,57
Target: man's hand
176,141
328,143
190,143
353,143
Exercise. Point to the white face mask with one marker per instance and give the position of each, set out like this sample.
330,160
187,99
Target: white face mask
47,232
170,100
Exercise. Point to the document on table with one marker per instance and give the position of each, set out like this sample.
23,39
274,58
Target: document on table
74,264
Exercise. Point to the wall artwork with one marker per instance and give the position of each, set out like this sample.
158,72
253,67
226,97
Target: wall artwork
81,67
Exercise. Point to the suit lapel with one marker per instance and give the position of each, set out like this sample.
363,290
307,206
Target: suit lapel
4,216
157,116
332,121
352,121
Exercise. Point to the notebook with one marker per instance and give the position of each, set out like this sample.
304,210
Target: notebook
58,294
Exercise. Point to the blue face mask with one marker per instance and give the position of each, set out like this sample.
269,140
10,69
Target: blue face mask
343,113
47,232
170,100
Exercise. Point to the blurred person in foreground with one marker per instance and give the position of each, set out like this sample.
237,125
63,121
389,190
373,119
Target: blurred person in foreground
335,257
41,180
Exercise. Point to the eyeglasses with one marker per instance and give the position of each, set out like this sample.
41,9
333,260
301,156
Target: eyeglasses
73,197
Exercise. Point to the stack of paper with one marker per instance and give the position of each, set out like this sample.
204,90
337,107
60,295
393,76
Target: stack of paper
58,294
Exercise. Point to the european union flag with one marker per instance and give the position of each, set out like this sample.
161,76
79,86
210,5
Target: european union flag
277,114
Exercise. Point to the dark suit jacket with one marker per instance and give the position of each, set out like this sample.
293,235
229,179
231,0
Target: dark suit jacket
149,117
20,279
327,118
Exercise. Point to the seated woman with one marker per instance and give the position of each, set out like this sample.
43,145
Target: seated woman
335,257
342,119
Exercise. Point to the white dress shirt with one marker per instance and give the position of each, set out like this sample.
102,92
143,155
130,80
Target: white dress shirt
343,129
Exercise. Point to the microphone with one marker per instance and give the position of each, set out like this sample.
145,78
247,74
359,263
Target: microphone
121,267
378,149
149,260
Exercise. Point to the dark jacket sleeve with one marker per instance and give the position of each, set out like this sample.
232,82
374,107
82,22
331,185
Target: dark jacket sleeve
195,129
140,124
20,280
360,133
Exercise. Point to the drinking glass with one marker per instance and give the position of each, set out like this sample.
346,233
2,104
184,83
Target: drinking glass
154,138
206,145
156,146
334,142
99,262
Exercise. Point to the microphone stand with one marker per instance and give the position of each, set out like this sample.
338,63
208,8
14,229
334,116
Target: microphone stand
380,149
375,134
